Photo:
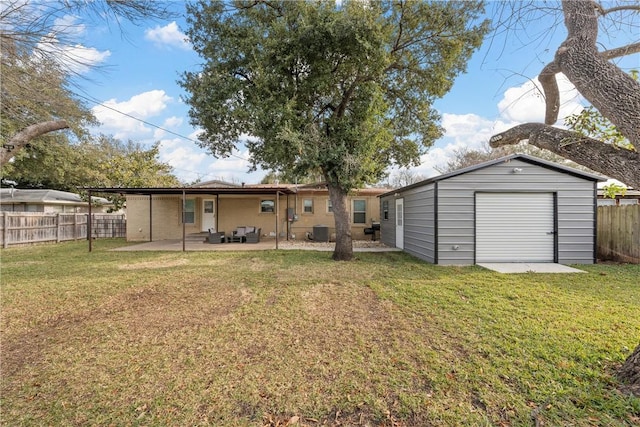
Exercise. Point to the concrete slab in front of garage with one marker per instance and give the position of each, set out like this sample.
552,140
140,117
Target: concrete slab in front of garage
530,267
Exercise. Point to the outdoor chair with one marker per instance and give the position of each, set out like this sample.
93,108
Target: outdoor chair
238,235
253,236
215,237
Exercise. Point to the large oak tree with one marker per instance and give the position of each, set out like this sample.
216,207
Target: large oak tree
613,92
340,88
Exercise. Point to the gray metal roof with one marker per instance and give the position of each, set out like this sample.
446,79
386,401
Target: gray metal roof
43,196
193,190
523,157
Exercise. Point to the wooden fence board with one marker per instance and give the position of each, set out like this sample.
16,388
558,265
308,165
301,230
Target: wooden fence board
619,233
19,228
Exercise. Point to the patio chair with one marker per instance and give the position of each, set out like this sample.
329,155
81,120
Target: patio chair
215,237
253,236
238,235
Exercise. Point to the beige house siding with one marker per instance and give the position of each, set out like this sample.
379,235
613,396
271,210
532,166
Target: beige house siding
242,210
321,215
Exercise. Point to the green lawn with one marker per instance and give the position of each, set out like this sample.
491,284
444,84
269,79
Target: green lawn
291,337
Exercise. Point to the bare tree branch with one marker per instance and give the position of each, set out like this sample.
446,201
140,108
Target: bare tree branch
618,9
547,79
621,51
22,138
620,163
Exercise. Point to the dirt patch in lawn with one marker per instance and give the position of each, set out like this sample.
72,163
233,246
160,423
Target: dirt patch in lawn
163,262
152,311
332,303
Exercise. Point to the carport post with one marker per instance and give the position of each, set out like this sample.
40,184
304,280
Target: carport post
277,215
88,224
184,230
150,217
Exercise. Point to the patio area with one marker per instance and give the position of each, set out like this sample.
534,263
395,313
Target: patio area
263,245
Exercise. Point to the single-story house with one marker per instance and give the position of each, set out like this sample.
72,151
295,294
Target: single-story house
52,201
283,210
516,208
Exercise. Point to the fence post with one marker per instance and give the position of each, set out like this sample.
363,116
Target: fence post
5,232
58,227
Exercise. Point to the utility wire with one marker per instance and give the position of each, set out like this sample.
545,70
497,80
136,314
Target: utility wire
97,102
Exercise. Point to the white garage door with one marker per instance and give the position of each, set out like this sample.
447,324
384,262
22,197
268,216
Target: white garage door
514,227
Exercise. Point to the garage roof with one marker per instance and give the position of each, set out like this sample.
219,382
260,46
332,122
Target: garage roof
523,157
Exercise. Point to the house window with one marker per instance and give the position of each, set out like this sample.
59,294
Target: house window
359,211
189,213
267,206
307,206
329,206
385,210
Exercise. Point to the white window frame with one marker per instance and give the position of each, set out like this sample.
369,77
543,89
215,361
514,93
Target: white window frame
304,206
268,210
361,212
188,202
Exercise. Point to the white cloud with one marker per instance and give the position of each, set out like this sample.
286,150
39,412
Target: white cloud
168,36
171,123
68,25
183,156
525,103
519,104
74,58
141,106
192,163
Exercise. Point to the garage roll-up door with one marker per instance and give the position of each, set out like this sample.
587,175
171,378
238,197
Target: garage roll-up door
514,227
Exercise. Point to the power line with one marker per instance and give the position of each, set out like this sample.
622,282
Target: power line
97,102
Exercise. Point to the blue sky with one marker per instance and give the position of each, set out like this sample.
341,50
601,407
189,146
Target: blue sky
136,73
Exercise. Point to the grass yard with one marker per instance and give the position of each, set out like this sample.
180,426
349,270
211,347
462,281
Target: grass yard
292,338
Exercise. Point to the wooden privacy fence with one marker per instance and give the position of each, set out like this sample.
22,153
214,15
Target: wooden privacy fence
19,228
619,233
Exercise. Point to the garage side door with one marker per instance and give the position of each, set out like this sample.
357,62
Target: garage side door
514,227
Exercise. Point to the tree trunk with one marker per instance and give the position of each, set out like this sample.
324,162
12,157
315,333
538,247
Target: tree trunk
618,163
344,244
630,372
22,138
613,92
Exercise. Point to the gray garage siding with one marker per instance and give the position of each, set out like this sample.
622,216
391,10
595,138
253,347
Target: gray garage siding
574,195
577,224
440,212
419,223
388,226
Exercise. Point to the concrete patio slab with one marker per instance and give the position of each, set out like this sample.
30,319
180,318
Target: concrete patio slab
530,267
266,244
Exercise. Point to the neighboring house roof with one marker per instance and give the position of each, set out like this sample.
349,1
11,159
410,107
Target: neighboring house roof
523,157
49,197
216,183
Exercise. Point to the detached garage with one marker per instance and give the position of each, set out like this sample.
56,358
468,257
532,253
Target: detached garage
514,209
